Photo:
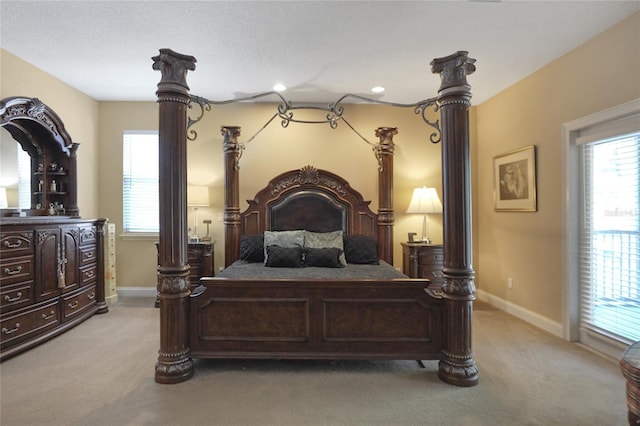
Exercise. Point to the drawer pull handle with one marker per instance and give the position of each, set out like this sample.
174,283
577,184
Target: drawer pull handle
90,274
48,317
13,299
13,272
89,254
73,305
91,296
17,244
11,331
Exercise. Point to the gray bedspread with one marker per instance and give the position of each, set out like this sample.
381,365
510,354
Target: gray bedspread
242,269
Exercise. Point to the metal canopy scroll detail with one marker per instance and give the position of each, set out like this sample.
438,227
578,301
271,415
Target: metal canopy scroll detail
334,114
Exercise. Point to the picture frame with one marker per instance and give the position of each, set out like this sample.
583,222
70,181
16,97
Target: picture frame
514,180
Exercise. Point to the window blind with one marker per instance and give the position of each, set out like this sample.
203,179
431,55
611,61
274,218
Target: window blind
609,252
140,182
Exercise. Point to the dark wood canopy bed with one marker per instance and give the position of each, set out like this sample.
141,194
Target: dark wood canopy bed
368,310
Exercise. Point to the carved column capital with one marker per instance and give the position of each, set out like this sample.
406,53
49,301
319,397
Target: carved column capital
453,70
174,67
230,133
386,134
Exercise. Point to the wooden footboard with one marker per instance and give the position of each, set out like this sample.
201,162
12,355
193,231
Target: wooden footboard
315,319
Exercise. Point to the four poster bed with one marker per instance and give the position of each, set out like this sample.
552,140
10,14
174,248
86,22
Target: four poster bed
308,265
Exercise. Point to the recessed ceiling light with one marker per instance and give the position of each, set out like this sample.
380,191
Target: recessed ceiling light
279,87
377,89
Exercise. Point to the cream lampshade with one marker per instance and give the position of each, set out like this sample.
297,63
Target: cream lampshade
197,196
424,201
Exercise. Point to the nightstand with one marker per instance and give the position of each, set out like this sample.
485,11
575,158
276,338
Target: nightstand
200,260
420,260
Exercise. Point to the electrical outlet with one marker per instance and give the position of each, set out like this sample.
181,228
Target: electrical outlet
510,282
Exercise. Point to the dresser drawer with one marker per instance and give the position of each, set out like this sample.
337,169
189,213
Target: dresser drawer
15,270
88,255
88,275
79,302
16,244
88,235
28,323
16,296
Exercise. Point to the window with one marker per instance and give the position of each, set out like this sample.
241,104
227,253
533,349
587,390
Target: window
609,252
602,228
140,182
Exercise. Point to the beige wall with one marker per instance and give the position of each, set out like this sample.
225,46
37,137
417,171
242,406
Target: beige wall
601,73
78,112
275,150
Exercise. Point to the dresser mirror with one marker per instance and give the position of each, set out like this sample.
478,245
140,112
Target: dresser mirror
38,159
12,187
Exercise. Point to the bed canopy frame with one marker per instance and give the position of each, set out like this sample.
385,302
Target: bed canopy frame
456,361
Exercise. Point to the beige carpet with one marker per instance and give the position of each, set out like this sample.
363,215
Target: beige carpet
101,373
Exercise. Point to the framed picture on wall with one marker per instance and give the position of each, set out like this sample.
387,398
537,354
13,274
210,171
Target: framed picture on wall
514,180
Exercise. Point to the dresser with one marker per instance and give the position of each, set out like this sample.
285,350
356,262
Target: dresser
51,278
200,257
421,260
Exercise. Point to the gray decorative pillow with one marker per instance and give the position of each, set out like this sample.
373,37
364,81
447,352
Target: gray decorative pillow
361,249
323,257
252,248
284,257
325,240
282,239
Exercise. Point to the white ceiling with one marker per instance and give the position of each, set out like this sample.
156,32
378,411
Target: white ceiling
320,49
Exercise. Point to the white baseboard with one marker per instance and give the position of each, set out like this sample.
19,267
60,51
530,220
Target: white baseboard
111,300
137,291
524,314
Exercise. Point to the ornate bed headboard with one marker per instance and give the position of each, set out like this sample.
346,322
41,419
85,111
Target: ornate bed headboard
311,199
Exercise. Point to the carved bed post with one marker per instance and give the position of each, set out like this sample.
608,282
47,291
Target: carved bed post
457,365
384,153
231,193
174,362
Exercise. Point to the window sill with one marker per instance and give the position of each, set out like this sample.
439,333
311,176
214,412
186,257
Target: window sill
140,236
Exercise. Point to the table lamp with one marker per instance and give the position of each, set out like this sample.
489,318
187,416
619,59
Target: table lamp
424,201
197,196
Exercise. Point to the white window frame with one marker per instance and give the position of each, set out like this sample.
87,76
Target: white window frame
571,131
126,234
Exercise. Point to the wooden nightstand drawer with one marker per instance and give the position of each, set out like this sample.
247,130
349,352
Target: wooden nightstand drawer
423,261
433,255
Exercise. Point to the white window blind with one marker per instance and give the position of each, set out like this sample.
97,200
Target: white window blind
140,182
609,246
